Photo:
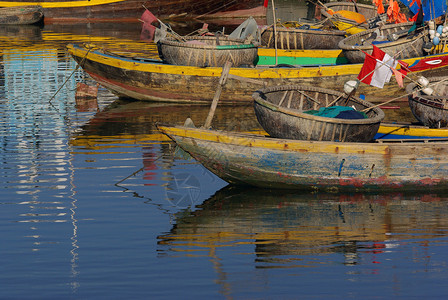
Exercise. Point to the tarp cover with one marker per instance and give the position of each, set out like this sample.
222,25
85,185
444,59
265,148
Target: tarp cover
431,8
338,112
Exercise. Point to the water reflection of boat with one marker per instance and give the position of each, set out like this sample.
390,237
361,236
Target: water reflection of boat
24,32
281,223
148,79
130,10
134,120
267,162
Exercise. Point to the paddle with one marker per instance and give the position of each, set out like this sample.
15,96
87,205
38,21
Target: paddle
222,81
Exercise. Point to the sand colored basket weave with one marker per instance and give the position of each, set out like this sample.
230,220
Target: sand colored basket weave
207,51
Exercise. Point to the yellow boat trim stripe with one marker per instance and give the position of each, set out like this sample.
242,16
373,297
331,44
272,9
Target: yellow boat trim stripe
258,73
413,131
300,53
216,72
60,4
278,144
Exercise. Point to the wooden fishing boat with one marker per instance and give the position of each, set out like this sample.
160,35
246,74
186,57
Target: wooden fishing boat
314,57
267,162
111,11
21,15
152,80
431,110
390,38
287,112
398,131
298,38
207,51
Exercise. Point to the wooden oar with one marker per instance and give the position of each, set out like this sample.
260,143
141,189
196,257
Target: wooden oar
222,81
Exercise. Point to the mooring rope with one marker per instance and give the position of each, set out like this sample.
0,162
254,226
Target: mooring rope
76,68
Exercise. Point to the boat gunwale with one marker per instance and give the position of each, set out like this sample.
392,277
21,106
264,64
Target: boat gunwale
263,141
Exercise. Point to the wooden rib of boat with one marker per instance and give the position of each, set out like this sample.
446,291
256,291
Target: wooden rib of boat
297,38
207,51
152,80
111,11
431,110
268,162
283,112
21,15
383,38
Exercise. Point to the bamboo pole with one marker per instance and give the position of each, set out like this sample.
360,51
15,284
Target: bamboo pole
275,31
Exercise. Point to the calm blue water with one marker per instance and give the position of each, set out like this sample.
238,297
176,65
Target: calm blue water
95,204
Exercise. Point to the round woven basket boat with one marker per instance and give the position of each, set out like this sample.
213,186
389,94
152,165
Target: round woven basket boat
207,51
296,38
282,112
355,45
431,110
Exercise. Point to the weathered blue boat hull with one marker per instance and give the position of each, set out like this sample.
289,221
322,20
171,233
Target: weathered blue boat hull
293,164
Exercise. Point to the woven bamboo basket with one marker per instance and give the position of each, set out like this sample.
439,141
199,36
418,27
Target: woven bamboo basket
207,51
296,38
406,46
281,111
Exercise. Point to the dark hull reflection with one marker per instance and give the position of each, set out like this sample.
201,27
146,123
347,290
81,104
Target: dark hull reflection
138,118
282,226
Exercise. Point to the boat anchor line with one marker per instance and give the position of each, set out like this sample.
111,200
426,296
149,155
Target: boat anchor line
66,80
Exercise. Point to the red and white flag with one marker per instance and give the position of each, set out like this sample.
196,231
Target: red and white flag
376,70
148,30
148,17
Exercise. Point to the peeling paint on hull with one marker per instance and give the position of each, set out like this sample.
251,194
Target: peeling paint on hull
266,162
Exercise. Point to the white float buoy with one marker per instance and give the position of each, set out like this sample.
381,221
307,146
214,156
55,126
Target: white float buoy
351,86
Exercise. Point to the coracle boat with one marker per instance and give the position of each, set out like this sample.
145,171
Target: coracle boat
431,110
309,113
301,38
207,51
390,38
368,11
152,80
21,15
350,17
258,160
